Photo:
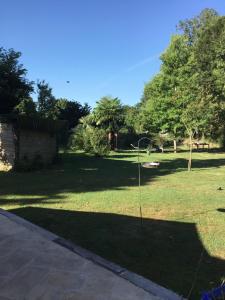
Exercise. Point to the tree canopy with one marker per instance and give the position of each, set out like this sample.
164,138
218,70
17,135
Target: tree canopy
46,100
71,111
108,113
14,87
187,95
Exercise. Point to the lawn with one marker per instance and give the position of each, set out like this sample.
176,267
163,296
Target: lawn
95,203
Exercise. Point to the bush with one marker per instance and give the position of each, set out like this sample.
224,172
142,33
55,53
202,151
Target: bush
90,139
76,140
96,141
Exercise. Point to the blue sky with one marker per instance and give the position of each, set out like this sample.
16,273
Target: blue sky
103,47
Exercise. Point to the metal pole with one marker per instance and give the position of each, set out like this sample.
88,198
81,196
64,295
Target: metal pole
139,177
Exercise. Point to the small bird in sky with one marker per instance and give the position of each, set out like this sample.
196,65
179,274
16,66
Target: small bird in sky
67,81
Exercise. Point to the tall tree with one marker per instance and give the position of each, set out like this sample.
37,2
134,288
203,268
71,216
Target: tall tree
191,77
177,71
108,114
26,107
161,109
71,111
210,63
46,101
197,119
14,87
205,110
132,121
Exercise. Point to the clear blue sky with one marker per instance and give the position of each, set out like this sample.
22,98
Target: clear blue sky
103,47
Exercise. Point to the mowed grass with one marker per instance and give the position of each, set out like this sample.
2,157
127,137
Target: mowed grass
94,202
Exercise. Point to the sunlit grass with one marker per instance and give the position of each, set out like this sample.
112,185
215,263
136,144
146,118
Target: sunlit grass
95,203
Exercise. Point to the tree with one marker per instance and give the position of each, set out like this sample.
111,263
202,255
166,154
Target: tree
108,115
89,138
197,118
191,77
211,64
161,109
132,121
71,111
177,69
205,110
193,28
46,101
26,107
14,87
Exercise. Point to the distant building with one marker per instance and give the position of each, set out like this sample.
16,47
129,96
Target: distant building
27,143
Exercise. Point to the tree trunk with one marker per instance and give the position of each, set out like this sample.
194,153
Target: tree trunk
111,141
175,146
116,141
190,153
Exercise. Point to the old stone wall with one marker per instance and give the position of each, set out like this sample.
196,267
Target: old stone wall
36,147
27,148
7,146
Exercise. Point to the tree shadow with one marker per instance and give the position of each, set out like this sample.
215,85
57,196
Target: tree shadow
166,252
181,163
82,173
122,156
30,201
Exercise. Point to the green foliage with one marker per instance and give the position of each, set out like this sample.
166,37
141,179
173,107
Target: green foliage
46,101
76,140
60,109
26,107
71,111
14,87
197,118
108,114
90,139
96,142
132,120
192,28
187,97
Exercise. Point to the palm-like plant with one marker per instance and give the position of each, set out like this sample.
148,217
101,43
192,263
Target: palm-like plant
108,114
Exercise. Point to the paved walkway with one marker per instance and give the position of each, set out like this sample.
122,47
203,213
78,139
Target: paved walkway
34,266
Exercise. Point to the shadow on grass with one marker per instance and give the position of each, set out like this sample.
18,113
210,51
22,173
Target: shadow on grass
30,201
82,173
181,163
124,155
166,252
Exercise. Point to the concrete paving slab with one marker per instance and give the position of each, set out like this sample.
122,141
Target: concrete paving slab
34,265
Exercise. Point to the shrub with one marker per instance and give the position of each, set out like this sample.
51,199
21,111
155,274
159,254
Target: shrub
90,139
96,141
76,140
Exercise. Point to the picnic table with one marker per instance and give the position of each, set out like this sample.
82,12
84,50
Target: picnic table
199,144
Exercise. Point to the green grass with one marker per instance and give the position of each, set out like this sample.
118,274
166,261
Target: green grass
95,203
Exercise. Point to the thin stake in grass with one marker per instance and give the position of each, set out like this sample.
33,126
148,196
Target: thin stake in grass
139,177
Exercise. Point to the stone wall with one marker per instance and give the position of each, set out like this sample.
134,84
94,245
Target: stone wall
27,148
7,146
36,147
